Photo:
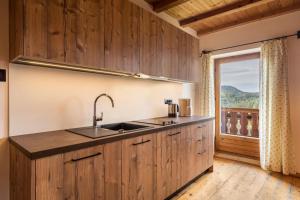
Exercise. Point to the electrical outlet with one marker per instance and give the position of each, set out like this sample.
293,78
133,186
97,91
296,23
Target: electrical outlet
2,75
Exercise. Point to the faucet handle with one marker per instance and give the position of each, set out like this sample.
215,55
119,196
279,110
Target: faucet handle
101,117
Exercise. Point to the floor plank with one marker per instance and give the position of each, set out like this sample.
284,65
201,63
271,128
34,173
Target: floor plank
232,180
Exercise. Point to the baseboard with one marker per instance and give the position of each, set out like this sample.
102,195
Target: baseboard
237,157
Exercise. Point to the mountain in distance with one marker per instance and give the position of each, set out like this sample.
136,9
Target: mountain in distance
231,97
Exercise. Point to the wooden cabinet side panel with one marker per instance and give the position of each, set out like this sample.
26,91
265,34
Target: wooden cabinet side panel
85,32
22,175
211,143
50,177
16,32
113,170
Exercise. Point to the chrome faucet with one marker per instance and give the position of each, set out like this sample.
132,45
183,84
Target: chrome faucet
95,118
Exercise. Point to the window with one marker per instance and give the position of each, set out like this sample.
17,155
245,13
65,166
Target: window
237,103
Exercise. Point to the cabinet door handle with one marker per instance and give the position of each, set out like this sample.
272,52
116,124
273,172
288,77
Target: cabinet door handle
202,126
90,156
202,152
174,133
143,142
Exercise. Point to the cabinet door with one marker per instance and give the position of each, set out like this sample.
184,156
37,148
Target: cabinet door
84,174
121,35
43,29
138,168
85,32
168,162
149,26
113,170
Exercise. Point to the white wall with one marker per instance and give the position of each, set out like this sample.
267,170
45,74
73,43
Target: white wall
265,29
43,99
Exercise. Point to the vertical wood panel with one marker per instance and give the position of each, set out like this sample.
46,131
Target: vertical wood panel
148,40
22,176
138,167
35,28
113,170
49,177
122,35
56,30
16,32
85,32
84,179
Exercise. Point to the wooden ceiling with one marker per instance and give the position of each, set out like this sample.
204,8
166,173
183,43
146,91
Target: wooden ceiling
206,16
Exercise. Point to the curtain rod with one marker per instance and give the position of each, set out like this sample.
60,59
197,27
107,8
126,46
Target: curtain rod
239,45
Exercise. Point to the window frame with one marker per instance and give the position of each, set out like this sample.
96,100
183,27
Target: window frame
246,146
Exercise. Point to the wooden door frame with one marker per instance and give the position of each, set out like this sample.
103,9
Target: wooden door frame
234,144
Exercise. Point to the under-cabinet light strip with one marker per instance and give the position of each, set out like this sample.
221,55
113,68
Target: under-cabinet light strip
45,63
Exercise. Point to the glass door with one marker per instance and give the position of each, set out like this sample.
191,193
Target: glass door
237,104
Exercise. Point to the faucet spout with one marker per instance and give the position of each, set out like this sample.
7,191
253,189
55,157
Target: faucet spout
95,118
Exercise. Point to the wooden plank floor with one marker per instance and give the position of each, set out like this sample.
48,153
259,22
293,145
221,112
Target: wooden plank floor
232,180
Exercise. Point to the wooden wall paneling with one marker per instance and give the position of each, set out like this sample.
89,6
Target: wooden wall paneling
16,31
113,170
84,174
22,176
122,35
148,43
49,177
138,167
85,32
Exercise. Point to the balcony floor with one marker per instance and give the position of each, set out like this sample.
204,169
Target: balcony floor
233,180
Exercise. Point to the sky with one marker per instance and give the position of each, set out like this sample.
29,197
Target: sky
244,75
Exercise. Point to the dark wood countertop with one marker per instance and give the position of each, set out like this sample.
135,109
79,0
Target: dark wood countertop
44,144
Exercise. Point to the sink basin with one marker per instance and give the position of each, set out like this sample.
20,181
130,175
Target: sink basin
107,130
121,127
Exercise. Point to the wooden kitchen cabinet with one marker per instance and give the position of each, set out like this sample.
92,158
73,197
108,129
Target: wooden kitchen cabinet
37,29
152,166
122,37
84,32
113,34
138,168
168,162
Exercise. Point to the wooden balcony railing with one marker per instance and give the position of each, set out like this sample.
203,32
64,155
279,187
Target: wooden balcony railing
240,121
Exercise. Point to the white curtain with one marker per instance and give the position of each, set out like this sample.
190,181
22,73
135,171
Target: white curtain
206,86
276,147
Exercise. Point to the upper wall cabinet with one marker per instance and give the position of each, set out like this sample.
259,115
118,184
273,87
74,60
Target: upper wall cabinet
37,29
122,35
84,33
116,35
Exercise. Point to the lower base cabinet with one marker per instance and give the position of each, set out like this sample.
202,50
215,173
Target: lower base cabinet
149,167
138,168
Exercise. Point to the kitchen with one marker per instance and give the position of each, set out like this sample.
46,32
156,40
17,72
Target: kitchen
119,57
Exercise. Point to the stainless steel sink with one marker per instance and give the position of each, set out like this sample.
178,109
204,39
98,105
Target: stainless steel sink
108,129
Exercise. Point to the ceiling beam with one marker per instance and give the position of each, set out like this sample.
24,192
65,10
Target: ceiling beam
290,9
228,9
162,5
